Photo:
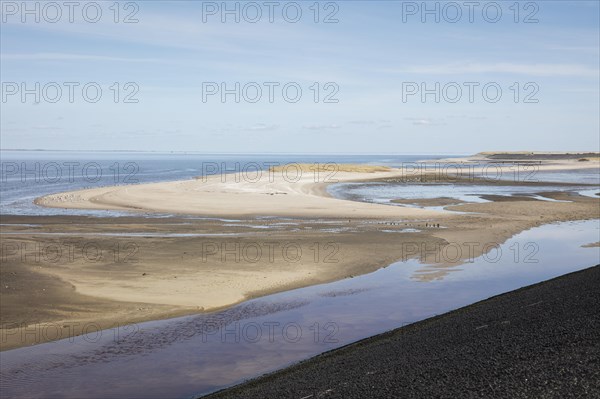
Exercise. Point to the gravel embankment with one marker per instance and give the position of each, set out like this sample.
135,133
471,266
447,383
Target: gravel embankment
541,341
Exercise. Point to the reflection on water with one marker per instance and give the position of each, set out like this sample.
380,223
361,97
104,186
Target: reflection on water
384,193
588,176
595,193
187,356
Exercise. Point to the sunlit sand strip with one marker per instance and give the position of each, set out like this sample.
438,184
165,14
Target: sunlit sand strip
270,193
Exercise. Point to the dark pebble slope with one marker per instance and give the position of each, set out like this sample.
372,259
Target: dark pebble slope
541,341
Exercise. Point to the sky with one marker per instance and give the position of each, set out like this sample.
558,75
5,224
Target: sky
349,77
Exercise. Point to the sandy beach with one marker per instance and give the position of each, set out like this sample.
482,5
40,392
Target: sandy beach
296,192
236,195
115,271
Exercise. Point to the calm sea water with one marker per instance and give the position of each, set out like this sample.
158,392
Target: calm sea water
385,193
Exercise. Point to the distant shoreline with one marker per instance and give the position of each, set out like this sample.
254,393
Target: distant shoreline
483,154
236,153
537,156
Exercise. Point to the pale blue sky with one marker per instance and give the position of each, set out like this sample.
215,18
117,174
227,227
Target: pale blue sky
369,54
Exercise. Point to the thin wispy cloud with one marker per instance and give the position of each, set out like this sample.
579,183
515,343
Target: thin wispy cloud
362,122
426,121
533,69
321,127
263,127
78,57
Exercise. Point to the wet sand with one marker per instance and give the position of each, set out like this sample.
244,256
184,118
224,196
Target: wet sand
71,270
539,341
105,277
